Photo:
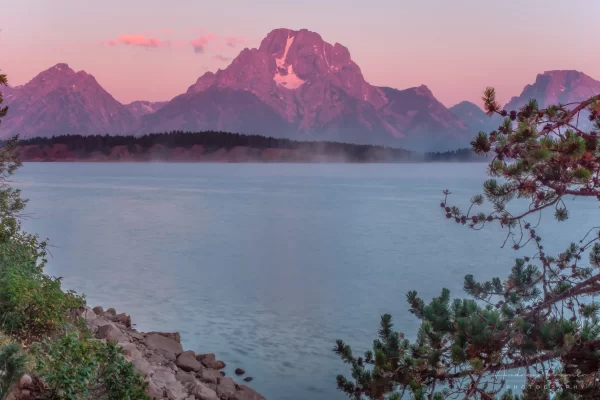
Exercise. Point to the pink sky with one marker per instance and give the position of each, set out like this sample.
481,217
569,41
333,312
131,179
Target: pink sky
148,50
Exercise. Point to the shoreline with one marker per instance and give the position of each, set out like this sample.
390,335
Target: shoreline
172,372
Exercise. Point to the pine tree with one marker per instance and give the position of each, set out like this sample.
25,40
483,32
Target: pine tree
539,319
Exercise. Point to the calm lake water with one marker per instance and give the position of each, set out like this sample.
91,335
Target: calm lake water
268,264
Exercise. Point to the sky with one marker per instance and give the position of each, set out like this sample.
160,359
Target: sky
154,49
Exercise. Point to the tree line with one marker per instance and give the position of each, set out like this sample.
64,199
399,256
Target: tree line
212,141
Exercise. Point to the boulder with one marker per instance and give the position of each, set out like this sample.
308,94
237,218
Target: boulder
153,391
143,366
187,361
25,381
248,379
160,357
175,391
239,371
159,342
111,311
246,393
89,315
98,310
226,388
184,377
122,319
201,391
210,376
171,335
210,361
131,351
206,357
110,332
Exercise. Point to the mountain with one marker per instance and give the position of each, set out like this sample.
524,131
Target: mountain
554,87
60,100
142,107
473,116
550,87
293,85
297,85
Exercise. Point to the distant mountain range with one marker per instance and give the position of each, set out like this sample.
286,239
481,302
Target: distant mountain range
294,85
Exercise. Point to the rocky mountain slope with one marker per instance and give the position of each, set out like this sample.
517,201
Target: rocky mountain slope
142,107
473,116
550,87
60,100
313,90
293,85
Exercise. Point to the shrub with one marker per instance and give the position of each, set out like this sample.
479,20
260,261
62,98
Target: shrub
76,366
31,303
12,365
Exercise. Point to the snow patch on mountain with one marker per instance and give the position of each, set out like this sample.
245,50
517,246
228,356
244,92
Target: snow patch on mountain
290,80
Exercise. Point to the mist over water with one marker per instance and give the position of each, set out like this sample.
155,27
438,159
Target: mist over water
266,265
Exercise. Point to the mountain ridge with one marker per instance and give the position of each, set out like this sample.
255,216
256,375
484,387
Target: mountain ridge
293,85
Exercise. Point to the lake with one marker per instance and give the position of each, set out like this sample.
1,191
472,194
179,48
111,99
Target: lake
266,265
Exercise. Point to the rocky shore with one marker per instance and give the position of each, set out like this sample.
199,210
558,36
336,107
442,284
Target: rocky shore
172,373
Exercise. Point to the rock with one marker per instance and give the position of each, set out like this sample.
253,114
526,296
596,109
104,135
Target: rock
123,319
131,351
173,335
248,379
226,388
159,342
25,381
153,391
246,393
206,357
187,361
110,332
184,377
239,371
210,376
89,315
111,311
142,365
210,361
222,373
136,335
175,391
97,323
98,310
201,391
161,357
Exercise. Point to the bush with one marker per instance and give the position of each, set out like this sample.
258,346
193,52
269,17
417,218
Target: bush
76,366
32,304
12,365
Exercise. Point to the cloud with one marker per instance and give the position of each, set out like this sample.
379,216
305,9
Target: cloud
221,58
199,44
138,40
233,41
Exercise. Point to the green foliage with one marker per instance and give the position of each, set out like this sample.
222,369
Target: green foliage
12,362
76,366
35,309
32,304
67,365
539,318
